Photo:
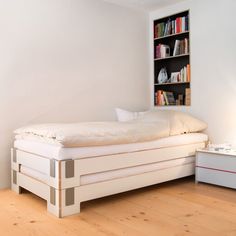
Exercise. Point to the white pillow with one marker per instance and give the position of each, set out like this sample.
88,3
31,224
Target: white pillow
124,115
179,122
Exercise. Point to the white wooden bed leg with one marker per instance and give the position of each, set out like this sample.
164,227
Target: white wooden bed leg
70,202
14,172
14,186
63,203
54,202
70,199
196,169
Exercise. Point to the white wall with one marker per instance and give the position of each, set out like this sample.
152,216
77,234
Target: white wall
213,63
66,61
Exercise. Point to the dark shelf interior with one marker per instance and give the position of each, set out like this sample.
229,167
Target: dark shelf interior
169,41
175,88
173,65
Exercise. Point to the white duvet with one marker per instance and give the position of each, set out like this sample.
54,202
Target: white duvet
150,126
94,133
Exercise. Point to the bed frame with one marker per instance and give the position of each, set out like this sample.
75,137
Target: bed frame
63,191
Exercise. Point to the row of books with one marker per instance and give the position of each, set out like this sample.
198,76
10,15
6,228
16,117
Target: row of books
165,98
162,51
181,47
180,24
182,76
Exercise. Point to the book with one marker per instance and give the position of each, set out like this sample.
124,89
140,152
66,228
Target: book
181,47
162,28
165,51
159,99
177,25
187,96
180,24
165,98
183,24
185,74
155,31
168,31
170,98
186,46
176,48
162,51
186,23
188,73
173,27
181,99
155,98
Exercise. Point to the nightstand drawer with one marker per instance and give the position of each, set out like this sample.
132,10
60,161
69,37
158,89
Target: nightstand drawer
221,178
216,161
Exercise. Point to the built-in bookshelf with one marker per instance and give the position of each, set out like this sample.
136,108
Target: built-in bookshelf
172,77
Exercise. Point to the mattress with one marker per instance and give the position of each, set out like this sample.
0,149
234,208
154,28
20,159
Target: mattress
119,173
58,152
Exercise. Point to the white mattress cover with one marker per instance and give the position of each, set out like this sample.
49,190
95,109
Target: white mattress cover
119,173
60,153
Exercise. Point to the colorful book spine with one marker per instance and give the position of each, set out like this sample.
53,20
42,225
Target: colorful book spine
187,97
188,73
183,24
173,27
179,25
186,23
160,98
165,98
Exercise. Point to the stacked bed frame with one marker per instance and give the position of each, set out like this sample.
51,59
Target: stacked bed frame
63,190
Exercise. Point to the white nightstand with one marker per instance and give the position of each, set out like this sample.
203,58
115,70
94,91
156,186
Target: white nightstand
216,167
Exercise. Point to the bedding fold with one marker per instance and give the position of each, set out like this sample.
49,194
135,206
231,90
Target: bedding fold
95,133
149,126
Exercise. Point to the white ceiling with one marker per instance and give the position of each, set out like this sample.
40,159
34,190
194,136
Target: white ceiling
144,4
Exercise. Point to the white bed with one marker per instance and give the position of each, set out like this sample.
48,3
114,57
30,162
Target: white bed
67,164
99,171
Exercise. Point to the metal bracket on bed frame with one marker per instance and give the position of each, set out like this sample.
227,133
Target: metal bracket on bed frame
14,177
69,169
53,168
70,196
14,157
53,196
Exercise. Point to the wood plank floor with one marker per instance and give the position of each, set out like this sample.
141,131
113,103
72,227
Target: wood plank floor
175,208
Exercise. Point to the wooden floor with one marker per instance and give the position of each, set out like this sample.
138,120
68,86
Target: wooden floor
175,208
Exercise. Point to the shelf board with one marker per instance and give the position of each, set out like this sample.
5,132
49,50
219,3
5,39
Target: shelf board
172,83
171,57
171,35
171,105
